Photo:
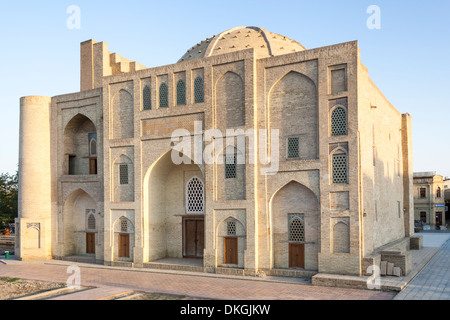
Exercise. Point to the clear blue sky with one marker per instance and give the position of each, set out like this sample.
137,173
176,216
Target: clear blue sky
408,58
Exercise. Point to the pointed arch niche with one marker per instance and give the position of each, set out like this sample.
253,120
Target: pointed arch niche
293,109
294,201
77,209
165,208
80,158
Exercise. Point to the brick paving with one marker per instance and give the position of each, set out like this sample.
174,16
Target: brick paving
185,284
433,282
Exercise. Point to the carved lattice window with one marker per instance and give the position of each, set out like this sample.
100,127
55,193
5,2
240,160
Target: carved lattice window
296,228
163,96
123,225
339,168
147,98
198,90
231,228
230,166
293,150
339,122
123,174
194,196
181,93
91,222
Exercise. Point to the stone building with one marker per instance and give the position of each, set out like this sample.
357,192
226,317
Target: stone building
447,199
97,176
429,200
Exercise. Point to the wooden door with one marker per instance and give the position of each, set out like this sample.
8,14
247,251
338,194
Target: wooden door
90,242
296,255
194,240
439,218
124,245
93,166
230,255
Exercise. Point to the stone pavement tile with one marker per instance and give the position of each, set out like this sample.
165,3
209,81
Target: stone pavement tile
190,285
433,282
92,294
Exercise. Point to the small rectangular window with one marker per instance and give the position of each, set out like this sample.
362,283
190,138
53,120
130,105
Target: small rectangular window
338,79
71,164
124,225
231,228
423,216
423,192
123,173
339,168
293,149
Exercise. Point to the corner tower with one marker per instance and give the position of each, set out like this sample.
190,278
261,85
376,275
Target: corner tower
33,225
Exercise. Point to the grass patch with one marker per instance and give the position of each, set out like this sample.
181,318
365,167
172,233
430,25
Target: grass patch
7,279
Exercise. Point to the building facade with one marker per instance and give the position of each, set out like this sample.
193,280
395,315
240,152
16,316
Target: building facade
324,181
429,199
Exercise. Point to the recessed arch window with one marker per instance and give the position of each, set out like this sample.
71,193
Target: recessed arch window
163,96
123,173
231,227
195,196
438,192
91,222
198,90
230,166
296,228
181,93
123,225
339,122
146,98
92,143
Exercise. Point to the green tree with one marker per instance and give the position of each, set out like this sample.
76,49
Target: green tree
8,198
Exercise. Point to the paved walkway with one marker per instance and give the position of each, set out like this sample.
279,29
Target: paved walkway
113,280
433,282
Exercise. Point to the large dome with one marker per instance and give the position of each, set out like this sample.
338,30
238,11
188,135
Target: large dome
265,43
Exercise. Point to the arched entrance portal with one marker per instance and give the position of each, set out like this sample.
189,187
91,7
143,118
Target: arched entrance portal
295,227
81,223
174,204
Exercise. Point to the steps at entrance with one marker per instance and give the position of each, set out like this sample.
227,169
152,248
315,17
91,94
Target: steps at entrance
82,259
169,266
291,273
230,271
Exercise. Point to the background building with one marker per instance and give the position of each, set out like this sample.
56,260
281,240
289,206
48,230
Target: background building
447,199
429,203
97,179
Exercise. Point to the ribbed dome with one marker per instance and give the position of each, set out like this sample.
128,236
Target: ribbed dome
265,43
